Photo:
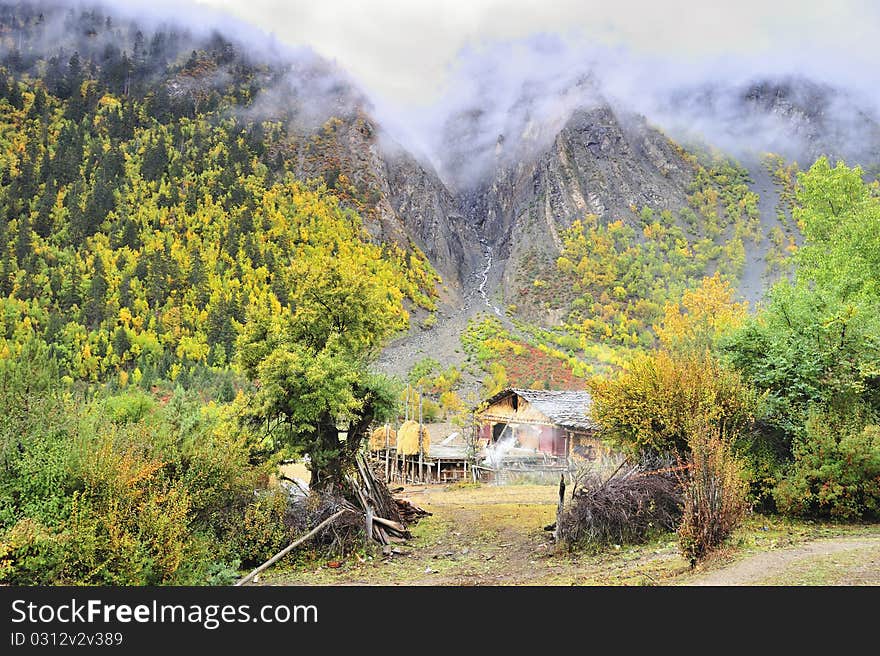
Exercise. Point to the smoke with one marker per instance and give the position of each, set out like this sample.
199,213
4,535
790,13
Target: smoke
495,452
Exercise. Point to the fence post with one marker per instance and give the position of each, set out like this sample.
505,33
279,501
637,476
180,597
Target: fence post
387,455
559,506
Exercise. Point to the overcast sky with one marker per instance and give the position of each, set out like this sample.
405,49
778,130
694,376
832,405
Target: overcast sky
405,50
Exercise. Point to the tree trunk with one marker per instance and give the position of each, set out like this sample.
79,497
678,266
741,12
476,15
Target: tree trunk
327,459
332,459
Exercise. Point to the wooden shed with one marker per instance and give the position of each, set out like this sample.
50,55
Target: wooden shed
554,423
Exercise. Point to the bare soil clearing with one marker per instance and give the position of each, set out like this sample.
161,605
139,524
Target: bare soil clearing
493,535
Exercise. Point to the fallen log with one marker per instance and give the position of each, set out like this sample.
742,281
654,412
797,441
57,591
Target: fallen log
293,545
397,526
380,535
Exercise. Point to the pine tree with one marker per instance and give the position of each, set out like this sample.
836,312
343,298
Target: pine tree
198,281
99,205
43,223
24,247
125,294
68,155
155,160
121,341
96,304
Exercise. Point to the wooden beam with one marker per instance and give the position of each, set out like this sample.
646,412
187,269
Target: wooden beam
397,526
293,545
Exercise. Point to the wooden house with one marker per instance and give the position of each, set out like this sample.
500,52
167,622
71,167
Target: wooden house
555,424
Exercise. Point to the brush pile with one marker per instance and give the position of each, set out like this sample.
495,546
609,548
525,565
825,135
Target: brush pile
364,490
339,537
635,503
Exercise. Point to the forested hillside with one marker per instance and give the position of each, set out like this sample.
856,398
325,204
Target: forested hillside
146,204
210,248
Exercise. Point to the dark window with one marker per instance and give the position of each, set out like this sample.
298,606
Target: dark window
497,429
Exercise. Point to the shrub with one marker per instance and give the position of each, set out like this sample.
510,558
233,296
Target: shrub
261,532
714,494
129,407
652,404
161,495
633,504
835,473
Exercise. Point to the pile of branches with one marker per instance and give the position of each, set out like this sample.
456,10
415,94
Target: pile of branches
636,502
341,536
390,516
409,513
338,523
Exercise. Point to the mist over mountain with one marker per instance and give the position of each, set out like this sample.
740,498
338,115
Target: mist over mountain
507,101
490,184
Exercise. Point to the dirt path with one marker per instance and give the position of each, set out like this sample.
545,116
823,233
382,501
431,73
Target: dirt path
847,561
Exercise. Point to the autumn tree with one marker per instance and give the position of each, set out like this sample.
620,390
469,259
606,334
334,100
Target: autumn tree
702,316
653,403
311,362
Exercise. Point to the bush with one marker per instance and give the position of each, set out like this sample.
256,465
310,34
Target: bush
635,503
764,453
652,405
148,495
129,407
261,533
835,473
714,494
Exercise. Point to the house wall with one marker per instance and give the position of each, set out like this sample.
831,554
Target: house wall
503,409
586,446
534,430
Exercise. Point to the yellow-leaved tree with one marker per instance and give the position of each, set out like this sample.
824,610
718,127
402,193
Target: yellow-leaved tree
701,317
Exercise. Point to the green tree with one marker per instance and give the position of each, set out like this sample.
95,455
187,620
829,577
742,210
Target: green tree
814,351
840,216
96,304
311,363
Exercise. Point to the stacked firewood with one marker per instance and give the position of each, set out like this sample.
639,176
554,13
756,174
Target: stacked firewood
386,516
408,512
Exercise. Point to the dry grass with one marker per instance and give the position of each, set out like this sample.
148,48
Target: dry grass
408,438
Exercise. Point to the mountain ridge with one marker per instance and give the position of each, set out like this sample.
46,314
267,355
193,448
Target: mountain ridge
497,233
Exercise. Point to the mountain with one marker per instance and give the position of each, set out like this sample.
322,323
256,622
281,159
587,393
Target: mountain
602,162
142,158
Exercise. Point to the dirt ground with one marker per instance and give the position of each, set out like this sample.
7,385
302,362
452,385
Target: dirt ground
842,561
493,535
